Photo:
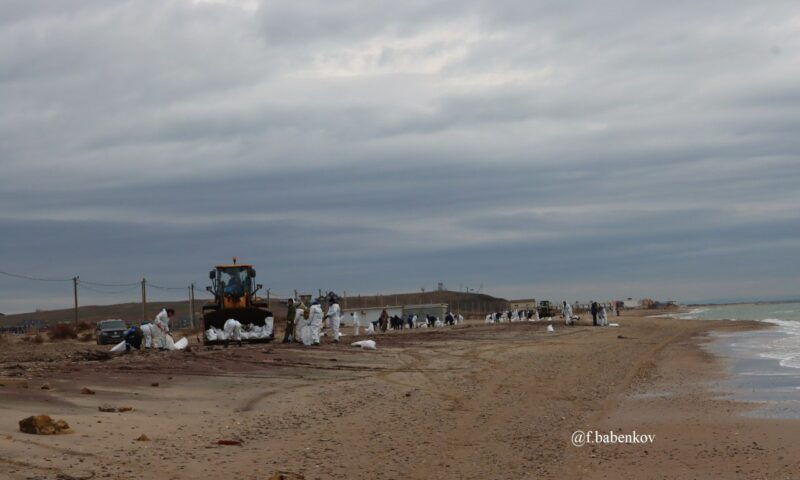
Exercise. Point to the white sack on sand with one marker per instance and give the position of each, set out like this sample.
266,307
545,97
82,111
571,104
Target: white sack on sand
365,344
120,347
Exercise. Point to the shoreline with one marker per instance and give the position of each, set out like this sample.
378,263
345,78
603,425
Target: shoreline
470,402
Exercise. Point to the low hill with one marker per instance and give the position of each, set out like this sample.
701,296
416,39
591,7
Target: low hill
464,303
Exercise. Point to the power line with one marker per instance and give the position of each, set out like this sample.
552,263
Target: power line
165,288
96,284
80,284
36,279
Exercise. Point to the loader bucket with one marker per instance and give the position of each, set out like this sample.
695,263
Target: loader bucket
246,316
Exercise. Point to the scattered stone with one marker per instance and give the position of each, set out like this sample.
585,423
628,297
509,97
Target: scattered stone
87,391
65,476
154,384
46,386
106,408
286,476
143,438
124,409
42,425
229,442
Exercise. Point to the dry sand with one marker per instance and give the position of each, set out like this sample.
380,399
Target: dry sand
476,401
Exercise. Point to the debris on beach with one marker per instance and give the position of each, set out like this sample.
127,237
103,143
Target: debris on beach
143,438
229,442
286,476
550,328
87,391
91,355
42,425
365,344
111,408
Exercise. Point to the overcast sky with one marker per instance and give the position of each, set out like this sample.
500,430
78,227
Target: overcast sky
549,149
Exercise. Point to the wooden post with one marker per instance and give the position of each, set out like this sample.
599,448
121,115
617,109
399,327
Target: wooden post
191,305
144,300
75,294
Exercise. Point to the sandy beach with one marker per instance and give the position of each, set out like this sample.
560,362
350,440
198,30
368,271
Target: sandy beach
475,401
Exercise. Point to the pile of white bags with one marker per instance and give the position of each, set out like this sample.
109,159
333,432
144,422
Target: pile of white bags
233,330
170,345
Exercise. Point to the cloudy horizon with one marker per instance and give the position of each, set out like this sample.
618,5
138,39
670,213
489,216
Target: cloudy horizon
534,149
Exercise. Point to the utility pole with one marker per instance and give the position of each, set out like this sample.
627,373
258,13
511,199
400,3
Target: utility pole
344,298
268,298
191,305
144,300
75,294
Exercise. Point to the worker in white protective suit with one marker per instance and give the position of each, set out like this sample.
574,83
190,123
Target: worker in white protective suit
147,331
334,318
300,321
315,322
160,328
602,318
356,319
567,311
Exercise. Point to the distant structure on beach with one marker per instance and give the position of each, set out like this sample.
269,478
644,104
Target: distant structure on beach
526,304
632,303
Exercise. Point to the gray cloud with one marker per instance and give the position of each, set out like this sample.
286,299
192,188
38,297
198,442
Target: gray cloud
538,148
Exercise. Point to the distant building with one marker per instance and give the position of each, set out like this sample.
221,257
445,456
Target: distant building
632,303
441,287
527,304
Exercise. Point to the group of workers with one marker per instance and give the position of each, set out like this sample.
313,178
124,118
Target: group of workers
599,315
150,335
305,325
513,316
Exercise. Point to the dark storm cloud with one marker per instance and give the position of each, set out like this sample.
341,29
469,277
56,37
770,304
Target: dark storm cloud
538,148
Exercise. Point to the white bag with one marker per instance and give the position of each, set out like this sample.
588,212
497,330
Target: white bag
211,335
268,327
550,328
181,344
118,348
233,329
364,344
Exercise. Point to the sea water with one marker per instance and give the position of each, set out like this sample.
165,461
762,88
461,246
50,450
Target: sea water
765,363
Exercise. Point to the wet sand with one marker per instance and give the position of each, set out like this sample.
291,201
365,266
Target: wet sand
475,401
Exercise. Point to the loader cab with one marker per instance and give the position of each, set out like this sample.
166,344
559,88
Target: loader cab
233,285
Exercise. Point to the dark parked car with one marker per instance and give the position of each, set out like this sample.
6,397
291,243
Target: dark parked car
110,331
